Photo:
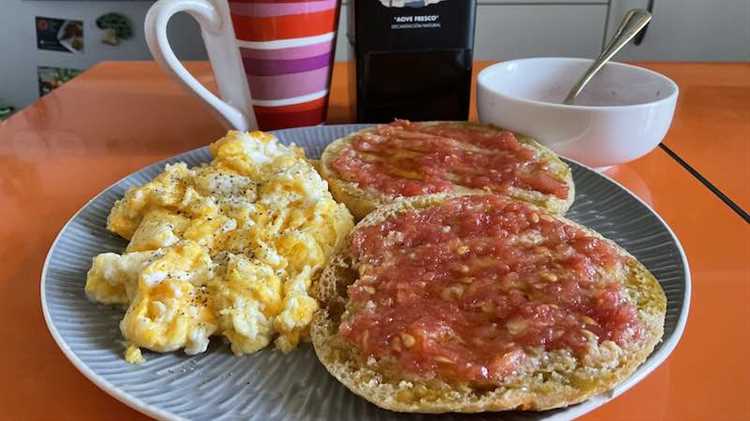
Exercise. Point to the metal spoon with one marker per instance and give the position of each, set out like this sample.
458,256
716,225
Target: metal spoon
632,23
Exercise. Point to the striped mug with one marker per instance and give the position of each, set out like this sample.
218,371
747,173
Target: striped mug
272,59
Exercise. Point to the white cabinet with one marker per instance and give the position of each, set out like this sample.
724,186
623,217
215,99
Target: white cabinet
682,30
344,51
506,31
690,30
509,29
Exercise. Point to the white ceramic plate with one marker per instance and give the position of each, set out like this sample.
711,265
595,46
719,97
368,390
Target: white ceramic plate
270,385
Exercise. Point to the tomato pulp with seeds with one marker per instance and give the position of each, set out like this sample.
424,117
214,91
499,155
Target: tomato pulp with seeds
463,289
410,159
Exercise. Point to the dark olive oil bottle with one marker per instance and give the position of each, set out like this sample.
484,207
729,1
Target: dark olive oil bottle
413,59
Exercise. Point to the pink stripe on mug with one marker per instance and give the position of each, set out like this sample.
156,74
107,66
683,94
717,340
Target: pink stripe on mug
289,53
289,85
257,67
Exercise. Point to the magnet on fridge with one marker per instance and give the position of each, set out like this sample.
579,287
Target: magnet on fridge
64,35
51,78
116,27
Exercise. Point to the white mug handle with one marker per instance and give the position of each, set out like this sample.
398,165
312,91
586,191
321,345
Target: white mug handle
236,109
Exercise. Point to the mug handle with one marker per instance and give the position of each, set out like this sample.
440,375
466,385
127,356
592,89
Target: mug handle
236,109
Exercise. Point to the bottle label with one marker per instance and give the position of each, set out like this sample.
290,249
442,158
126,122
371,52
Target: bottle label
416,22
393,25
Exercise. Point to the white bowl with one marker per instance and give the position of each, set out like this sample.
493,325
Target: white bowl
621,115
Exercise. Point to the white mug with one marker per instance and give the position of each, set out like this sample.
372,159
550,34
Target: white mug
235,107
282,51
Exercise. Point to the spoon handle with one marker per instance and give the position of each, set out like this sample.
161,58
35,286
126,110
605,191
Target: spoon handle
633,21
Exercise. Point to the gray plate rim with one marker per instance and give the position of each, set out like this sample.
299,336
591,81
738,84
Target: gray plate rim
654,360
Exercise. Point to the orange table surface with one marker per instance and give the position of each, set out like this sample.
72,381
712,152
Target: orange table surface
119,117
711,129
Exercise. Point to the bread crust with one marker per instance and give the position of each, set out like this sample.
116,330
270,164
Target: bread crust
362,201
561,381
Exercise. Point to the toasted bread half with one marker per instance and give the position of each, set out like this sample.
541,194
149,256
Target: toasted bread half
559,378
363,200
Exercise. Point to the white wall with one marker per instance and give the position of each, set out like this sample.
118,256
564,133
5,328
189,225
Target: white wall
690,30
19,56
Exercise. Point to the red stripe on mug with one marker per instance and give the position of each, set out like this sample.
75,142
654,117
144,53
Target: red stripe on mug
273,121
249,28
264,10
306,114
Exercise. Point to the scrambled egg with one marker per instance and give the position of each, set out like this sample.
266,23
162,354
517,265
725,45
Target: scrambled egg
229,248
